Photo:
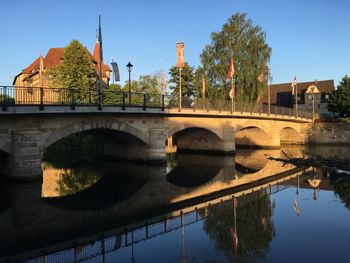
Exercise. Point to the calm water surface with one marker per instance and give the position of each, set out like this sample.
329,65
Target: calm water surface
246,208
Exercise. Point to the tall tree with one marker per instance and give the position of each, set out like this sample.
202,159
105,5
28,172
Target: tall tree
77,71
246,43
339,102
151,84
187,82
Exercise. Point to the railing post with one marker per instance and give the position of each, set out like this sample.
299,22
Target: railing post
71,93
144,101
163,106
5,96
41,106
123,101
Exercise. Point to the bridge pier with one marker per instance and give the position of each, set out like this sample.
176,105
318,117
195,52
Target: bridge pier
153,152
26,155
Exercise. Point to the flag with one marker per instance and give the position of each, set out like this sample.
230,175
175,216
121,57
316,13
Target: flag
231,70
296,207
180,56
41,70
164,83
234,238
203,87
261,78
232,91
294,84
42,74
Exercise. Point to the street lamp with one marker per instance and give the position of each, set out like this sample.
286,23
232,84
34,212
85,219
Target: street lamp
129,67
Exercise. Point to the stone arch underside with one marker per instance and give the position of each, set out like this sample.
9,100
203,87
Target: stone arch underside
256,137
290,136
199,139
67,130
4,157
5,145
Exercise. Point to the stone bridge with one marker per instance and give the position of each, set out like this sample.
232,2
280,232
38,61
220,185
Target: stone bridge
25,133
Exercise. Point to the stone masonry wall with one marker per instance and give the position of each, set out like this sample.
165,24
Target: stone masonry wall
329,133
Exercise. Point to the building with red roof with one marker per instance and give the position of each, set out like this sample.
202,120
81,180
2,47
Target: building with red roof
29,77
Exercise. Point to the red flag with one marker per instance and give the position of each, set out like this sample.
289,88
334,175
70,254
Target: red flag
231,70
234,238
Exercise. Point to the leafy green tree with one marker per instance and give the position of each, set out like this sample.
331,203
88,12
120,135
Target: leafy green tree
77,71
187,82
250,54
339,102
152,85
113,94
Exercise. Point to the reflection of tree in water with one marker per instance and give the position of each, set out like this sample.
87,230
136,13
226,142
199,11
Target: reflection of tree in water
341,184
77,179
255,228
81,158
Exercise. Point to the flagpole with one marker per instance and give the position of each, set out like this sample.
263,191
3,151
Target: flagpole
180,90
296,100
268,97
233,97
101,59
40,70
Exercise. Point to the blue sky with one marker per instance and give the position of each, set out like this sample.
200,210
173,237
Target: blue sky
309,38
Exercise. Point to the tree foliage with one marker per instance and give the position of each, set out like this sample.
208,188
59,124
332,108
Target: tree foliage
77,71
187,82
339,102
250,54
255,227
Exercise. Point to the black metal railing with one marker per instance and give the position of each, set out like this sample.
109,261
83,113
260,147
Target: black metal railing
43,96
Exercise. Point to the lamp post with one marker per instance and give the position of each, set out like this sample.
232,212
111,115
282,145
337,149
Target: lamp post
129,67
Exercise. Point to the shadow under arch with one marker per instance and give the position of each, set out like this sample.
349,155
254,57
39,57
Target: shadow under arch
195,140
4,164
252,137
116,126
85,146
289,136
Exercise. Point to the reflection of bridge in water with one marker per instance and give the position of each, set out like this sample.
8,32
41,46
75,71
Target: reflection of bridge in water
188,213
111,241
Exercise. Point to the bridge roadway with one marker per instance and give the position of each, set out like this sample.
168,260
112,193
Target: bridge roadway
52,223
137,134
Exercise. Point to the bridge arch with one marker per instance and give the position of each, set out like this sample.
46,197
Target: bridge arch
289,135
196,139
5,145
67,130
255,137
182,127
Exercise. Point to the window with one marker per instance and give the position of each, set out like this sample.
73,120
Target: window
309,97
326,96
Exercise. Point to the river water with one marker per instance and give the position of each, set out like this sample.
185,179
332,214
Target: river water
196,208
